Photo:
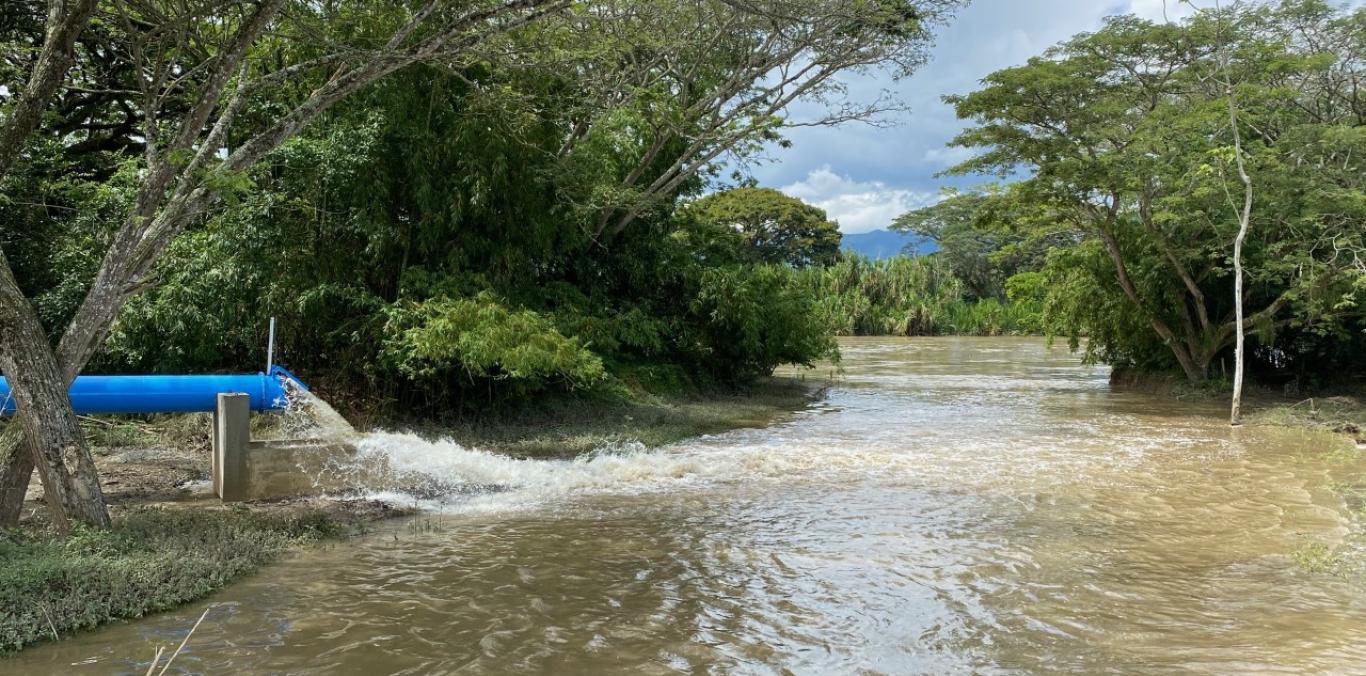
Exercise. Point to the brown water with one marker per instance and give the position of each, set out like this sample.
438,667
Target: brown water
954,506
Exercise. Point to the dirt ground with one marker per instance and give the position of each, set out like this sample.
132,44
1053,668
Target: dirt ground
168,477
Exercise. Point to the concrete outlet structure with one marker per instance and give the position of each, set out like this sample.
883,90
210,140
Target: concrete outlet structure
270,470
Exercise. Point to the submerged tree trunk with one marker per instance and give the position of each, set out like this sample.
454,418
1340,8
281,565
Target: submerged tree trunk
52,432
1244,219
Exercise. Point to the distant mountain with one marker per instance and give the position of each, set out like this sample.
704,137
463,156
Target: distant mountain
885,244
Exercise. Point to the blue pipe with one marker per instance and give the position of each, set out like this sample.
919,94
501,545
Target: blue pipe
169,394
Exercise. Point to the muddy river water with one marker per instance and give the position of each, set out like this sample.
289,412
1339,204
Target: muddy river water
952,506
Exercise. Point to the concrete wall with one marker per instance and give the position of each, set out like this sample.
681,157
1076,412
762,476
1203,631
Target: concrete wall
270,470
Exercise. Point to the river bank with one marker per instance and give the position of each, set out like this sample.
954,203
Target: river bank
174,543
1343,415
1340,411
563,428
155,558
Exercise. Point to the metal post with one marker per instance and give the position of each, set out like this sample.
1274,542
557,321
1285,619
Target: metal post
270,347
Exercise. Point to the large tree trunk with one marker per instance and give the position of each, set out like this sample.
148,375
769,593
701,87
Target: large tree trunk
65,21
1194,365
53,435
16,470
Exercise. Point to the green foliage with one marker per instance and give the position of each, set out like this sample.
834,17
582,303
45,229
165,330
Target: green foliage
981,235
908,296
1125,134
471,230
755,318
463,285
151,560
481,338
54,264
771,227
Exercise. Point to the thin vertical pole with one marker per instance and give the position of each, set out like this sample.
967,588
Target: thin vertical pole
270,347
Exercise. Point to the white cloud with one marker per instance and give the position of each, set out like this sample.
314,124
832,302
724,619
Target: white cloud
858,206
1157,10
949,155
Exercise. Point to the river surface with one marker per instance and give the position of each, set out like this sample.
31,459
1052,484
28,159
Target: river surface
984,506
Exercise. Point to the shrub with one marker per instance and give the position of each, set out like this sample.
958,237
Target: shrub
481,338
755,318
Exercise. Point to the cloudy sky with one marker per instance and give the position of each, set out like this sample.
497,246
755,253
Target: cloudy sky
864,176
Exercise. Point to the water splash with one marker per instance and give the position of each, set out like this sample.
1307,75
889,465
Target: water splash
408,468
441,470
307,416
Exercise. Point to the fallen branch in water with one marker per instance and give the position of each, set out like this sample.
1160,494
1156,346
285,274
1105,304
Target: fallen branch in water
157,658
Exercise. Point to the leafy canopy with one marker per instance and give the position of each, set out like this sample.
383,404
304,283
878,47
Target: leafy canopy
772,227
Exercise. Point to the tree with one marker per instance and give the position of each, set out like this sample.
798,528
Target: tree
710,80
1128,139
68,469
1244,222
985,237
773,227
199,52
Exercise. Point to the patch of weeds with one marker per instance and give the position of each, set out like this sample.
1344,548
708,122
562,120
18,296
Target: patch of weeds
185,431
117,433
1341,415
1317,558
1353,495
424,526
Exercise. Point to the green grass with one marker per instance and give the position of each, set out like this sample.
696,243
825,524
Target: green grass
1343,415
152,560
1317,558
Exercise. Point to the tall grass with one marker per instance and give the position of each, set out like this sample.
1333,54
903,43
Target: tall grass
907,296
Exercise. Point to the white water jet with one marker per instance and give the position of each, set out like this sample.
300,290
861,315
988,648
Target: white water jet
407,467
307,416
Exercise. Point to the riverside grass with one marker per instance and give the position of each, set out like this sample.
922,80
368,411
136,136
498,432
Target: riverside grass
153,559
1342,414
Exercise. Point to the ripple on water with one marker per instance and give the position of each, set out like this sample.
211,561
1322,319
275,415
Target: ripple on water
954,506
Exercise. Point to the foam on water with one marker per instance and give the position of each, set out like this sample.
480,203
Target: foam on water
436,470
815,447
408,468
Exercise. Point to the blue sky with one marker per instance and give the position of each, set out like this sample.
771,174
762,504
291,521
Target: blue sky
865,176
